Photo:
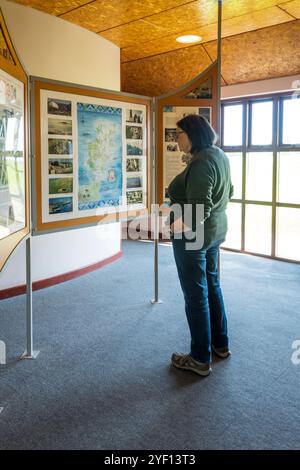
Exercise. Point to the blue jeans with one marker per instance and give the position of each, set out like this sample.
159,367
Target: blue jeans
204,305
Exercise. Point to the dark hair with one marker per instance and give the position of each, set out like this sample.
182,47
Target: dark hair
199,132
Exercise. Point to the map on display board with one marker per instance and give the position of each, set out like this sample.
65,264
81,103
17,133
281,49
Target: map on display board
99,156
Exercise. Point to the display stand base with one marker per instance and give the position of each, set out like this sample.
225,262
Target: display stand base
33,356
156,301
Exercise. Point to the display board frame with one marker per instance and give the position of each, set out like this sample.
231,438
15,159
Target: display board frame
39,86
185,97
12,67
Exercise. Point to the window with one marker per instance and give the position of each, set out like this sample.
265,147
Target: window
290,114
258,229
234,214
288,233
236,169
233,125
259,176
261,123
264,214
288,178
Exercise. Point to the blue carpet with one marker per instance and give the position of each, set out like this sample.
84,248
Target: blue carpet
103,379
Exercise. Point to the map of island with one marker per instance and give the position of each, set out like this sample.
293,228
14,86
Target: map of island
99,156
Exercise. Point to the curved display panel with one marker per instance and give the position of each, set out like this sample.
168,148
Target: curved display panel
14,187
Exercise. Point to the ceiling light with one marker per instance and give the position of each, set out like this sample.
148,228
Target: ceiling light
189,39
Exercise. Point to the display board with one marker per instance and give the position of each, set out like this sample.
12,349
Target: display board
197,97
14,193
91,150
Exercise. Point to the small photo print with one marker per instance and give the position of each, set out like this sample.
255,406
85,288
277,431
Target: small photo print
60,204
172,148
134,132
168,109
60,185
166,193
206,113
60,166
170,135
133,115
59,107
134,197
133,164
60,147
134,148
203,91
134,182
59,126
186,158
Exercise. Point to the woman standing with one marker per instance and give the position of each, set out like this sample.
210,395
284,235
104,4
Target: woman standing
204,184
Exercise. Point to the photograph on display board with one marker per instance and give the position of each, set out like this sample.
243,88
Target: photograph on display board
170,135
203,91
59,126
60,205
59,107
60,185
60,166
60,147
99,156
172,148
133,164
134,132
4,49
134,197
134,182
186,158
206,113
134,148
133,115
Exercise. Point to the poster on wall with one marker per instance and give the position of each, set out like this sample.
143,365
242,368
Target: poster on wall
93,156
12,156
175,161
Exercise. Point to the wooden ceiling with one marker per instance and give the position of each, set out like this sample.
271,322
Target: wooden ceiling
148,28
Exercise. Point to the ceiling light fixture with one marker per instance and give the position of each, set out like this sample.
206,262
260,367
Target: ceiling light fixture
189,39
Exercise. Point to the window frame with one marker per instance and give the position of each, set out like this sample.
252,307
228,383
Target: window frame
246,148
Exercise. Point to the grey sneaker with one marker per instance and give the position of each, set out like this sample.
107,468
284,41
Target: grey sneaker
221,352
186,362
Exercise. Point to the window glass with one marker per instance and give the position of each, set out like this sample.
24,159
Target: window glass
262,123
233,125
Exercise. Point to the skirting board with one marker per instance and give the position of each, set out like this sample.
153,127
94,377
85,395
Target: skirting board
37,285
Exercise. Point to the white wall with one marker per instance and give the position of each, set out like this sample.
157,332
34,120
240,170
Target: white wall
258,87
53,48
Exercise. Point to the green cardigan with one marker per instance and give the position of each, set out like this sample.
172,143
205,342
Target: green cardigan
206,180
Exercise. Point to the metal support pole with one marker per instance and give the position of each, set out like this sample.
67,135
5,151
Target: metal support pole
154,199
219,86
29,353
219,66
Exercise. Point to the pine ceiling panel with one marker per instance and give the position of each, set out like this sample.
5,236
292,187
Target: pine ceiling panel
156,75
232,8
258,19
267,53
293,8
187,18
103,14
135,33
173,21
52,7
